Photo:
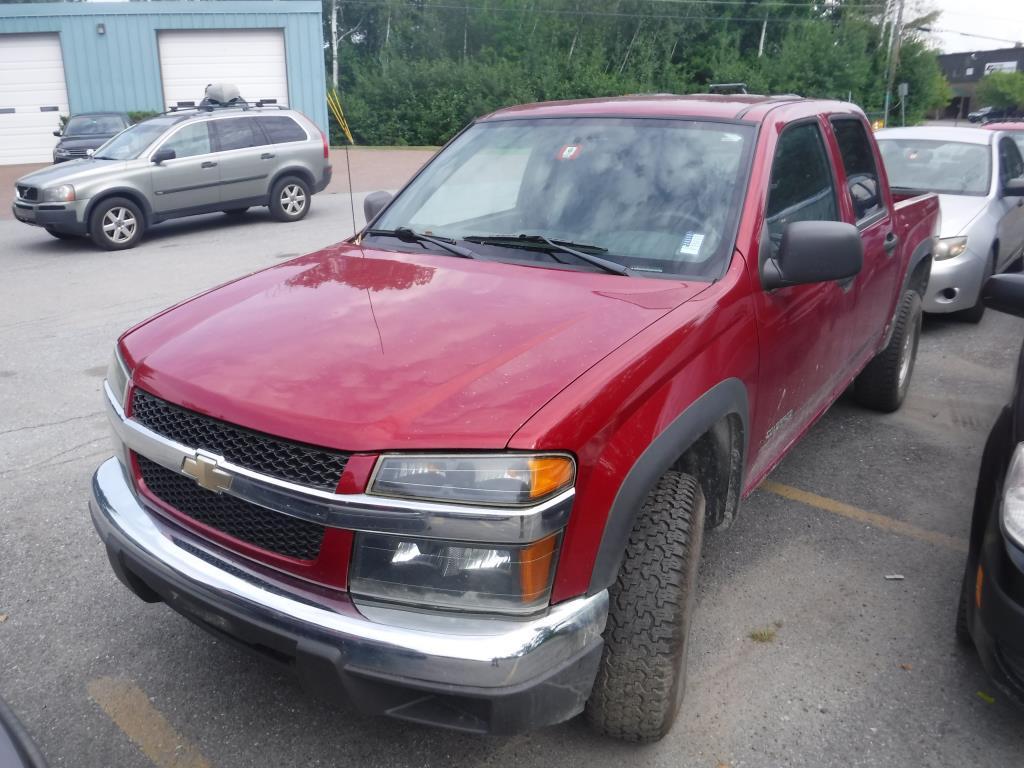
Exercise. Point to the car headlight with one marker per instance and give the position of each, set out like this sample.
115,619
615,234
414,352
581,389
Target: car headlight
118,376
60,151
950,247
508,479
65,193
1012,513
508,579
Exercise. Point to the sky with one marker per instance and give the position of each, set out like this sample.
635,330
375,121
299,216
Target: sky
993,18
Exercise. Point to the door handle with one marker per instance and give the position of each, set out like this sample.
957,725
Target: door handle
208,164
891,241
267,156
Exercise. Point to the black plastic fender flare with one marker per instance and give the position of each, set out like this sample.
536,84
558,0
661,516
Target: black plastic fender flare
725,398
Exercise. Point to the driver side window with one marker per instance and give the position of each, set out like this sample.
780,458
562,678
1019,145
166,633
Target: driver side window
1011,164
190,141
801,187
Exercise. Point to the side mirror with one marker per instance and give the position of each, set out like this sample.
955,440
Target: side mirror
163,155
56,133
374,203
814,252
1014,187
1004,293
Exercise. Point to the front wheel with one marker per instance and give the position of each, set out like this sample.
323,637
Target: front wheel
974,314
884,382
642,676
116,224
289,199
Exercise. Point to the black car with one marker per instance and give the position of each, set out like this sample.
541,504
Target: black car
16,748
87,131
991,611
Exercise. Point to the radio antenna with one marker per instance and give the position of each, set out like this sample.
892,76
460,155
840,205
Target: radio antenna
351,195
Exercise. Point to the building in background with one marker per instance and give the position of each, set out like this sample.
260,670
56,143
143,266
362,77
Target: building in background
965,70
61,58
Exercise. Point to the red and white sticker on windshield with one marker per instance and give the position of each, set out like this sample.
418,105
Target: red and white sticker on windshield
569,152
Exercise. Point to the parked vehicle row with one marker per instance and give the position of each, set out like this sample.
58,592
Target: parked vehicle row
187,162
444,468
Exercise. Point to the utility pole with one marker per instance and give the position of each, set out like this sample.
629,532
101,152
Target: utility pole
896,35
334,44
760,45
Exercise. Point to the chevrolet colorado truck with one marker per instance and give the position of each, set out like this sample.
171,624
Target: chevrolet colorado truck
457,469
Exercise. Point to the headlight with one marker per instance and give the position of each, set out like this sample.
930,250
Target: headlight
1013,498
60,151
950,247
495,479
65,193
117,377
454,576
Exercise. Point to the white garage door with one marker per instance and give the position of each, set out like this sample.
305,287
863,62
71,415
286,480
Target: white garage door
32,97
252,59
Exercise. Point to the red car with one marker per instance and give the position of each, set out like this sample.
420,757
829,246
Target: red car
458,468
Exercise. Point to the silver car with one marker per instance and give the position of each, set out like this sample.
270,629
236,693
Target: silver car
180,164
979,176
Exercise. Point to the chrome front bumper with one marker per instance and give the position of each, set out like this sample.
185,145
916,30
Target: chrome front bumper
498,674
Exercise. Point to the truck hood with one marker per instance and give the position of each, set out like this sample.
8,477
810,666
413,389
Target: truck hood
958,211
71,172
364,350
91,141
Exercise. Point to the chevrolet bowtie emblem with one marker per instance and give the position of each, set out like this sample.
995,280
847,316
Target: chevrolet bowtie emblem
204,470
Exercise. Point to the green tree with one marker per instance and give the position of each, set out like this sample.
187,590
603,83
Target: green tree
1002,89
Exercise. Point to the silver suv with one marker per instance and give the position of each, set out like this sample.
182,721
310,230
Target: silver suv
180,164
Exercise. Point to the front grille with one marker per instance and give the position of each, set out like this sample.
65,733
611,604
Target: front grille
263,528
77,152
295,462
27,193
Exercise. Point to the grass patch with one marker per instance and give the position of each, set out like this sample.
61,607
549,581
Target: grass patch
764,634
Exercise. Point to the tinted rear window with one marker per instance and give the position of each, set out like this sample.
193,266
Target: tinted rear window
281,129
239,133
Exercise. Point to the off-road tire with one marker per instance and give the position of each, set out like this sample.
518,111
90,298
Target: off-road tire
963,632
236,211
881,386
60,235
283,211
642,676
98,221
974,314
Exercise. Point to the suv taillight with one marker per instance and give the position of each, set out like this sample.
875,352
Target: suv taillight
326,147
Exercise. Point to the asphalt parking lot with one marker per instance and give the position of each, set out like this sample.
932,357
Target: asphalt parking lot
861,671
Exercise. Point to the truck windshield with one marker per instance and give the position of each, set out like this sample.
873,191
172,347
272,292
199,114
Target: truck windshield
945,167
654,195
94,125
130,143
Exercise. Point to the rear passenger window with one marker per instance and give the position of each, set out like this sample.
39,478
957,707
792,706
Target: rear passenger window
239,133
1011,165
802,188
859,164
281,129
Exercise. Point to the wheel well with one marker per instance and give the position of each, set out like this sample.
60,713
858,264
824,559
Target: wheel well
919,277
127,194
716,460
302,173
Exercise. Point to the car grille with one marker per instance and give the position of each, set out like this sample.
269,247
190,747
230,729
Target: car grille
77,152
263,528
27,193
295,462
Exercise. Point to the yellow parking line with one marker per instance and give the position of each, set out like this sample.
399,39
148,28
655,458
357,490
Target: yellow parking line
130,709
863,516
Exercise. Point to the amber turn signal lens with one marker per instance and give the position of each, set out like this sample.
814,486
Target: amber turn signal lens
978,584
549,474
535,564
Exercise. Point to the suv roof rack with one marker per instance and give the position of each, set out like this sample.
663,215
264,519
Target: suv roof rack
188,106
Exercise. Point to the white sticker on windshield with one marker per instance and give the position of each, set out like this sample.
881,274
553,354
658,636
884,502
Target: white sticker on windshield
690,246
730,137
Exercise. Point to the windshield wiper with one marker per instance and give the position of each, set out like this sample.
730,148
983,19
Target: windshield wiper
559,246
406,235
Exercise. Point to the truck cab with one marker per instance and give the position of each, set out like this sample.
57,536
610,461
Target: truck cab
457,469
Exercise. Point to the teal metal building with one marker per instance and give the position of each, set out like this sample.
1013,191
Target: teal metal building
61,58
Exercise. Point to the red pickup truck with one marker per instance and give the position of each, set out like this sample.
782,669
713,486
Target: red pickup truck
457,469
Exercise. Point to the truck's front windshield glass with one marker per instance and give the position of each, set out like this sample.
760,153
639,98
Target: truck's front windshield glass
654,195
946,167
130,143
